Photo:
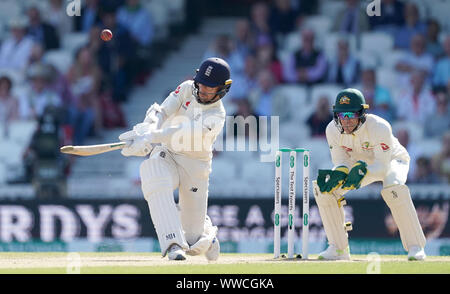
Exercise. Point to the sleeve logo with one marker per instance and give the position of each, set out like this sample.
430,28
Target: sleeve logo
177,90
384,147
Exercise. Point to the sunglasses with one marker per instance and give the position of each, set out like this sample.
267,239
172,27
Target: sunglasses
347,115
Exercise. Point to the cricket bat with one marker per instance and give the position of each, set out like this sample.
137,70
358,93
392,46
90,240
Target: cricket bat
89,150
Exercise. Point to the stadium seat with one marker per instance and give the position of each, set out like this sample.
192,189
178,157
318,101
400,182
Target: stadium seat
321,25
11,152
61,59
415,130
297,99
331,8
429,147
292,42
160,18
293,133
390,58
387,78
9,9
367,59
21,131
377,42
16,76
73,41
440,10
3,173
329,90
330,44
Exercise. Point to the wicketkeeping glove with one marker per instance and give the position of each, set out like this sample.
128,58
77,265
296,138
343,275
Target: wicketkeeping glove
322,178
331,180
355,176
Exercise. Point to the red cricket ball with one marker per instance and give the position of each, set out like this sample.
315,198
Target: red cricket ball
106,35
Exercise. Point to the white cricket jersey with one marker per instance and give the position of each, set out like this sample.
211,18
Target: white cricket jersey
372,143
190,128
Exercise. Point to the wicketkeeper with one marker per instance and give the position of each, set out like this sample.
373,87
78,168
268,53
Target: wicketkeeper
364,150
177,138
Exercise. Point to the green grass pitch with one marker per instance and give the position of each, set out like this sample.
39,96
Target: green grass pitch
228,263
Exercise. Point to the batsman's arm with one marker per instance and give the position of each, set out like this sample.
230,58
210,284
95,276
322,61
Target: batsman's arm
210,126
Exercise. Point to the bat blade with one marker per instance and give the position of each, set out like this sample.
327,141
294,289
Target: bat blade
88,150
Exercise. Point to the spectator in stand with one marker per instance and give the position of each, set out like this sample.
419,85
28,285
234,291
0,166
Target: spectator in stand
433,46
344,68
439,122
244,82
320,118
40,30
243,38
57,16
352,19
36,55
244,109
267,59
138,21
414,151
9,106
307,65
416,103
283,17
259,23
441,161
33,102
223,47
424,173
415,59
390,18
378,97
16,49
84,77
116,56
266,99
441,73
89,16
413,26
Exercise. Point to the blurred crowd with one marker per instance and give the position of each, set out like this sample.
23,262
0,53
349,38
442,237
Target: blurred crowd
291,42
85,98
404,72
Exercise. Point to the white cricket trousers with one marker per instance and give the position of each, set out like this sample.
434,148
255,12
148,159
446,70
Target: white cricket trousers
161,174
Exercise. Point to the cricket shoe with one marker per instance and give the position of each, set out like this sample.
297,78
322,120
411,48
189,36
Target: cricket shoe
214,250
176,253
416,253
332,253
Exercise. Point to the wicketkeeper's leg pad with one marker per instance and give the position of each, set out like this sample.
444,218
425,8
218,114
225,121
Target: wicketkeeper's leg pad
399,201
158,179
331,209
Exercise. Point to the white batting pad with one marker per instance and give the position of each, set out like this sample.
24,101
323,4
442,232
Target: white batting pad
157,186
333,218
399,201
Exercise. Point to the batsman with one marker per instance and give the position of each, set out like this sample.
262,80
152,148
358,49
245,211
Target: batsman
364,150
177,139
